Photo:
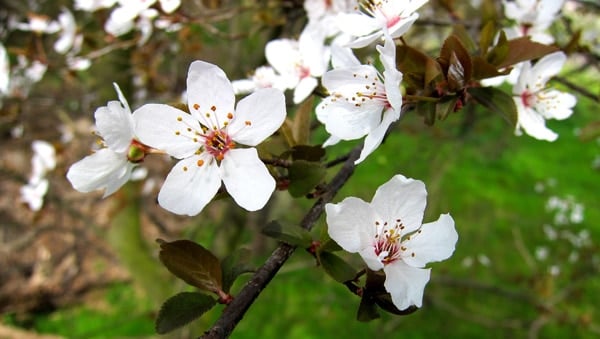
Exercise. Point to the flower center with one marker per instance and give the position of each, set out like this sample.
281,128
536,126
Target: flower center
374,90
375,8
528,98
217,143
388,246
303,72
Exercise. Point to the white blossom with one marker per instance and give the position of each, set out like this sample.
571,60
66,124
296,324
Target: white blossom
110,167
388,234
362,101
207,141
536,103
299,62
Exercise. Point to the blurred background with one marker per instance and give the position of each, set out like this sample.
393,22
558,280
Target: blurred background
527,211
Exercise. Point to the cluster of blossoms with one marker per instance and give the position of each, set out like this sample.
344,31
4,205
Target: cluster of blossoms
206,141
214,140
362,100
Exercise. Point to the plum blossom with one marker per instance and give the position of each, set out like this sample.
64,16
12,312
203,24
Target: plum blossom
378,17
536,103
532,18
388,234
110,167
206,141
362,101
300,62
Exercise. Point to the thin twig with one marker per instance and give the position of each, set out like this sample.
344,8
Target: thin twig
234,312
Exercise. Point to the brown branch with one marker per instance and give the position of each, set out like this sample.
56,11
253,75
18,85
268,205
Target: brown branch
234,312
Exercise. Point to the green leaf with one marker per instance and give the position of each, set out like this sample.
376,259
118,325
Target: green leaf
460,32
234,265
418,68
308,153
181,309
336,267
192,263
486,37
301,125
291,234
500,51
445,106
329,245
523,49
304,177
483,69
384,300
367,310
427,110
497,101
453,56
287,130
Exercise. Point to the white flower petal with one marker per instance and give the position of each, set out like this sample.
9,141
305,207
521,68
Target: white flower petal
166,128
435,241
45,153
547,67
120,21
246,178
405,284
349,81
372,260
403,25
401,198
343,57
351,223
104,169
115,125
4,71
33,194
375,137
533,123
357,24
189,187
556,105
345,120
364,41
304,88
121,97
210,94
257,116
169,6
284,56
331,141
